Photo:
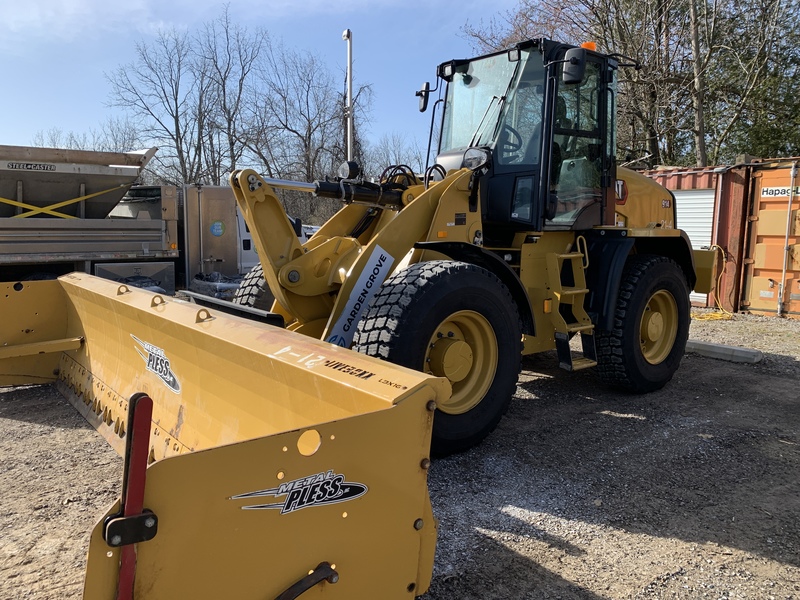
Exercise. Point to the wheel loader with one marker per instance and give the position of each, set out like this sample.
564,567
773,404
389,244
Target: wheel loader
523,235
283,453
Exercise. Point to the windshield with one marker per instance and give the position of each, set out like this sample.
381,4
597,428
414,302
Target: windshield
474,98
495,101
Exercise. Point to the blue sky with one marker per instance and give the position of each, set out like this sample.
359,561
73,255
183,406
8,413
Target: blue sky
56,53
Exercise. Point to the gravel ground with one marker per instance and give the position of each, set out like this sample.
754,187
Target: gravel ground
688,492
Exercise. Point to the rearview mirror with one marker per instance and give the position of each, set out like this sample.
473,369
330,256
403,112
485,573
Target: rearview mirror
423,96
574,66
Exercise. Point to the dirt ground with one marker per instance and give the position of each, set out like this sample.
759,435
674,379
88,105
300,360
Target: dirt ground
688,492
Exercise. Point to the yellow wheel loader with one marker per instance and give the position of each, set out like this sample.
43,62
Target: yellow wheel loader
266,461
522,235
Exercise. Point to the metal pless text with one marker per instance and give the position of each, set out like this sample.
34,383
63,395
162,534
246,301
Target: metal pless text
320,489
156,362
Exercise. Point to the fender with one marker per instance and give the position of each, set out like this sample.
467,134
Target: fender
494,264
609,250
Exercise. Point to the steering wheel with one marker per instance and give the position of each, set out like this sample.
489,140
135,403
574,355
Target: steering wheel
510,140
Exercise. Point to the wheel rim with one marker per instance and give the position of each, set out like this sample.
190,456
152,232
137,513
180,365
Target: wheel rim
659,327
464,349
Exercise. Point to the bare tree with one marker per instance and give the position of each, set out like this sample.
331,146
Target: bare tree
296,124
56,137
704,64
167,94
394,149
227,55
119,135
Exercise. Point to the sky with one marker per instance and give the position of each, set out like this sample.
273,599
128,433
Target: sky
56,53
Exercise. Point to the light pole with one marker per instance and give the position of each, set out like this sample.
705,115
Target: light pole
347,36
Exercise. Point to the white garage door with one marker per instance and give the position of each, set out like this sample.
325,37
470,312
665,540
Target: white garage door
695,210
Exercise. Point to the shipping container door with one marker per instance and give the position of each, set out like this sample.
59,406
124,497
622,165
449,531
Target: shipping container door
695,210
774,248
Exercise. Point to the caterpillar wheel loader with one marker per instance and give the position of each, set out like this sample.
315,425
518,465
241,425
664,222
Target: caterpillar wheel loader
263,457
521,236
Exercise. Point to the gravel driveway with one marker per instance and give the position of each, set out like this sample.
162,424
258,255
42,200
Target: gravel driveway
688,492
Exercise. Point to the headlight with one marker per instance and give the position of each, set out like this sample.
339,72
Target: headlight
475,158
349,170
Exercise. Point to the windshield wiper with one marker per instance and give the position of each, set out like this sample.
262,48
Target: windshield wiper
479,131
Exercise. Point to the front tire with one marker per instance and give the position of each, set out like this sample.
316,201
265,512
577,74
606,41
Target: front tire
455,320
254,290
651,325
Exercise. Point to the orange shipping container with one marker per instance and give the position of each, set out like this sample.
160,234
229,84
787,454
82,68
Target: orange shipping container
771,274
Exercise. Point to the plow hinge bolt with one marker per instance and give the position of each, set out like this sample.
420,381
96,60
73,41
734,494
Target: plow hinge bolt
293,276
419,524
431,405
425,463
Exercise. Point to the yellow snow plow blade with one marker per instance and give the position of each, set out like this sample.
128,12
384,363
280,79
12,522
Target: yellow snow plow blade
276,465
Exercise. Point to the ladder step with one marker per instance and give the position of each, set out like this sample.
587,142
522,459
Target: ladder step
577,327
570,255
582,363
570,291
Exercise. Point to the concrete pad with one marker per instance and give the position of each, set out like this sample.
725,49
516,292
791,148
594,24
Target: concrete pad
722,352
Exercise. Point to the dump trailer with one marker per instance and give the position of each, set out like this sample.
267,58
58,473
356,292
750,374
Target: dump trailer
72,210
523,235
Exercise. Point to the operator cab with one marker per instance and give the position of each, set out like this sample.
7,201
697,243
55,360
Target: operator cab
543,113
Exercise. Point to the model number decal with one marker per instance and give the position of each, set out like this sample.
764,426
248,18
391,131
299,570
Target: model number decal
307,360
156,361
320,489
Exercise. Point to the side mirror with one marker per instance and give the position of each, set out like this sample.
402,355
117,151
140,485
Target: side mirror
423,94
574,66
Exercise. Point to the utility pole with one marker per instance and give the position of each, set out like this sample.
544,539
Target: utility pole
347,36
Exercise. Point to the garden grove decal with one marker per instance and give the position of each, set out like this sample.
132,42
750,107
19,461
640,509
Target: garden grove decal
378,266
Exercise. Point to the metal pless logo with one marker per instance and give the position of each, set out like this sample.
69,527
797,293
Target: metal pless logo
314,490
156,361
375,271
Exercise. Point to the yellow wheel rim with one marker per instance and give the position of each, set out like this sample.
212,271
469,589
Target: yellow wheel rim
464,349
659,327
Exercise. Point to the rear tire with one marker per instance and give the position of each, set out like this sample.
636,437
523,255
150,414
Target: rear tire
254,290
651,326
455,320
